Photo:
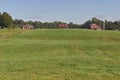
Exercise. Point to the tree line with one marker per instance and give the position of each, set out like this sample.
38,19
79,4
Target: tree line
41,25
109,25
6,21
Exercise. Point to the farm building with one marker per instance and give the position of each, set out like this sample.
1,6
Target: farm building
63,25
95,27
27,26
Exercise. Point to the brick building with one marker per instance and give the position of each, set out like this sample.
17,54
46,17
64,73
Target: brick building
27,26
63,25
95,27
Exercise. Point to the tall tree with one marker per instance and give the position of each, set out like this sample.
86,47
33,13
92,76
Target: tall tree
97,21
7,20
86,24
0,20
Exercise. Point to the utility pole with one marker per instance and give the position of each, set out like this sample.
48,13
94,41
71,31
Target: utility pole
103,24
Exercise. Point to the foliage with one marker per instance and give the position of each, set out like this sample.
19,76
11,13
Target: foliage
18,23
7,21
1,20
86,24
97,21
109,25
42,25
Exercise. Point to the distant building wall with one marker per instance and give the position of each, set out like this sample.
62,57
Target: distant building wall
95,27
27,26
63,25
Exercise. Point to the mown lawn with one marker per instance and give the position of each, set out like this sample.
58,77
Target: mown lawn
65,54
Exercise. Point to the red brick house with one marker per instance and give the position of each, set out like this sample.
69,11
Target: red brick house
95,27
27,26
63,25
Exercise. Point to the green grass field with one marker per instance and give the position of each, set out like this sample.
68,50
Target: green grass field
52,54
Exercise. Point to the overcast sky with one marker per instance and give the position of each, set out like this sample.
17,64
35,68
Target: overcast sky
77,11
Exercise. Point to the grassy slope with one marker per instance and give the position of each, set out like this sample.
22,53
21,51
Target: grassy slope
61,55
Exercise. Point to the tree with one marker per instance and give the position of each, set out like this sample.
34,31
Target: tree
37,24
18,23
96,21
7,20
119,25
86,24
0,20
71,25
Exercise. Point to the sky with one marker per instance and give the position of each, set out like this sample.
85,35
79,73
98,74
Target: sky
76,11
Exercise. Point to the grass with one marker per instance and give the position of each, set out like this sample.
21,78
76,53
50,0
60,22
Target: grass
66,54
